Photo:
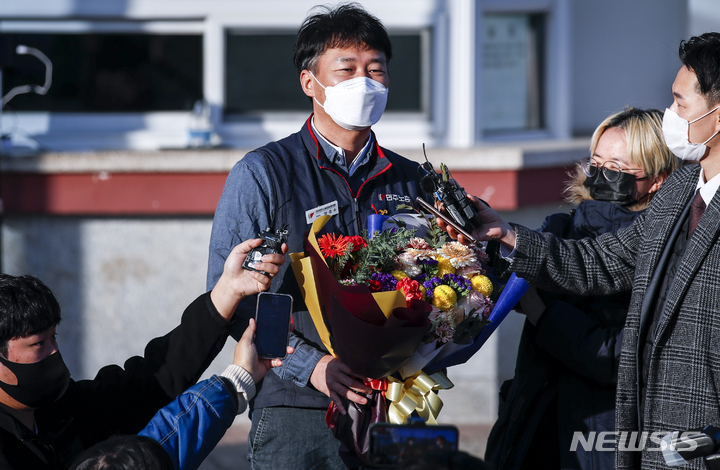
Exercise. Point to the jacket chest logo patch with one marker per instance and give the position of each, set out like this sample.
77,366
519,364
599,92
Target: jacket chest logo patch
394,198
331,208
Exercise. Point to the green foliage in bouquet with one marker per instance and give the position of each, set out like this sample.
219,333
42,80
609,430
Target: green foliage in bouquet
380,253
338,265
434,235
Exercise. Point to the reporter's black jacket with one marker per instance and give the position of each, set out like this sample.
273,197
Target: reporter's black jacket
117,400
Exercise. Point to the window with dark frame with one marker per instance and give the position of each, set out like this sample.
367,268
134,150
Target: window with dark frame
260,75
109,72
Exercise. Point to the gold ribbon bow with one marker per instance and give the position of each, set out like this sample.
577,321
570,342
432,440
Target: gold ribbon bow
416,394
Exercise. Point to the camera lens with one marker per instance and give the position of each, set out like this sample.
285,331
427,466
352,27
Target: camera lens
274,301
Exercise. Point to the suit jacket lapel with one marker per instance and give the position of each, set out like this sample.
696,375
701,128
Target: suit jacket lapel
698,247
659,253
663,247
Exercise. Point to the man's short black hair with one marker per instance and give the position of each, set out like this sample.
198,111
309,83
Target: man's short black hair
701,54
124,453
347,25
27,307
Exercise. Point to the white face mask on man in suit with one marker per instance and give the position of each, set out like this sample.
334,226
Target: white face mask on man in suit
676,131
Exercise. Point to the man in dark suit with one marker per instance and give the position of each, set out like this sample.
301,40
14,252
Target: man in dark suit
669,376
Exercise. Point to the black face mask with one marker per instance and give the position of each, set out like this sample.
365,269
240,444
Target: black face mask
618,192
39,383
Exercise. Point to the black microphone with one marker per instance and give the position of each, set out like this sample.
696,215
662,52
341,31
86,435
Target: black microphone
680,447
428,184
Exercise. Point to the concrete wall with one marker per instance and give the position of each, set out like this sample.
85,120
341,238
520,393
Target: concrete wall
120,281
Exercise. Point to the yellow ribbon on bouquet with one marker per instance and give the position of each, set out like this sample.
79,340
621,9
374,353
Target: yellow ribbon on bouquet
302,267
416,394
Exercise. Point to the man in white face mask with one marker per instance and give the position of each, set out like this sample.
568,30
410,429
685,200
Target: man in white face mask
333,165
692,123
669,373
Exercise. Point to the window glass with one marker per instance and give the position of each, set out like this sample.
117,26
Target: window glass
512,72
109,72
261,76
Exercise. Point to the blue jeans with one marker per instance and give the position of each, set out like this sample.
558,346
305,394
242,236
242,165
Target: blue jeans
292,438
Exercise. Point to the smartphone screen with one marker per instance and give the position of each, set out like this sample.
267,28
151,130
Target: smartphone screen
273,323
392,445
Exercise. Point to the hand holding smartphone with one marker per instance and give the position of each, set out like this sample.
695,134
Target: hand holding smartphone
428,207
272,315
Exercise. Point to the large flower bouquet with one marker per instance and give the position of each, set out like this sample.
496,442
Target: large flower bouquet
391,305
446,274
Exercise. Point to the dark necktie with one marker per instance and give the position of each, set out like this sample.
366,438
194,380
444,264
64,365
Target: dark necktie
697,207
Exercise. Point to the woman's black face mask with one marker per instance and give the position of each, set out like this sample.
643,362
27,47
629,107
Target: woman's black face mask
618,192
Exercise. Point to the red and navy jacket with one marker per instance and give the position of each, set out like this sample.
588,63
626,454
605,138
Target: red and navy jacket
288,182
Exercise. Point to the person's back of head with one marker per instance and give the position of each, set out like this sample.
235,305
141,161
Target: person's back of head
701,54
124,453
27,307
345,25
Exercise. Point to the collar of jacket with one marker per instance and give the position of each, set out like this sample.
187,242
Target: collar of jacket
378,159
51,423
597,217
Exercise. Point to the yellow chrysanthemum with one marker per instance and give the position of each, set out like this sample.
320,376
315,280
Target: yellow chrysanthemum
444,267
398,274
482,284
444,297
424,292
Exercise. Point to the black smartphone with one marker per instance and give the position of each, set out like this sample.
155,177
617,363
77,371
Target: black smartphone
272,315
428,207
393,445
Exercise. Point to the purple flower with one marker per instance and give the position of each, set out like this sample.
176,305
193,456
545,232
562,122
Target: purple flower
427,261
461,285
432,283
387,281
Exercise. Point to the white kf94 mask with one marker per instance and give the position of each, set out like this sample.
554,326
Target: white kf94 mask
354,104
676,132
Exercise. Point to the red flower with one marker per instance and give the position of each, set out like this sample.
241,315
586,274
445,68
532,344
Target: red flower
358,242
374,285
411,288
333,246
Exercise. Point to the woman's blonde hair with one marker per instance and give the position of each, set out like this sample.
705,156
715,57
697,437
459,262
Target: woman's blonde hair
645,142
645,145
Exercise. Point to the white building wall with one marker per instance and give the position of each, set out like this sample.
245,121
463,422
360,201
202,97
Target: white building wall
703,16
624,53
600,57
